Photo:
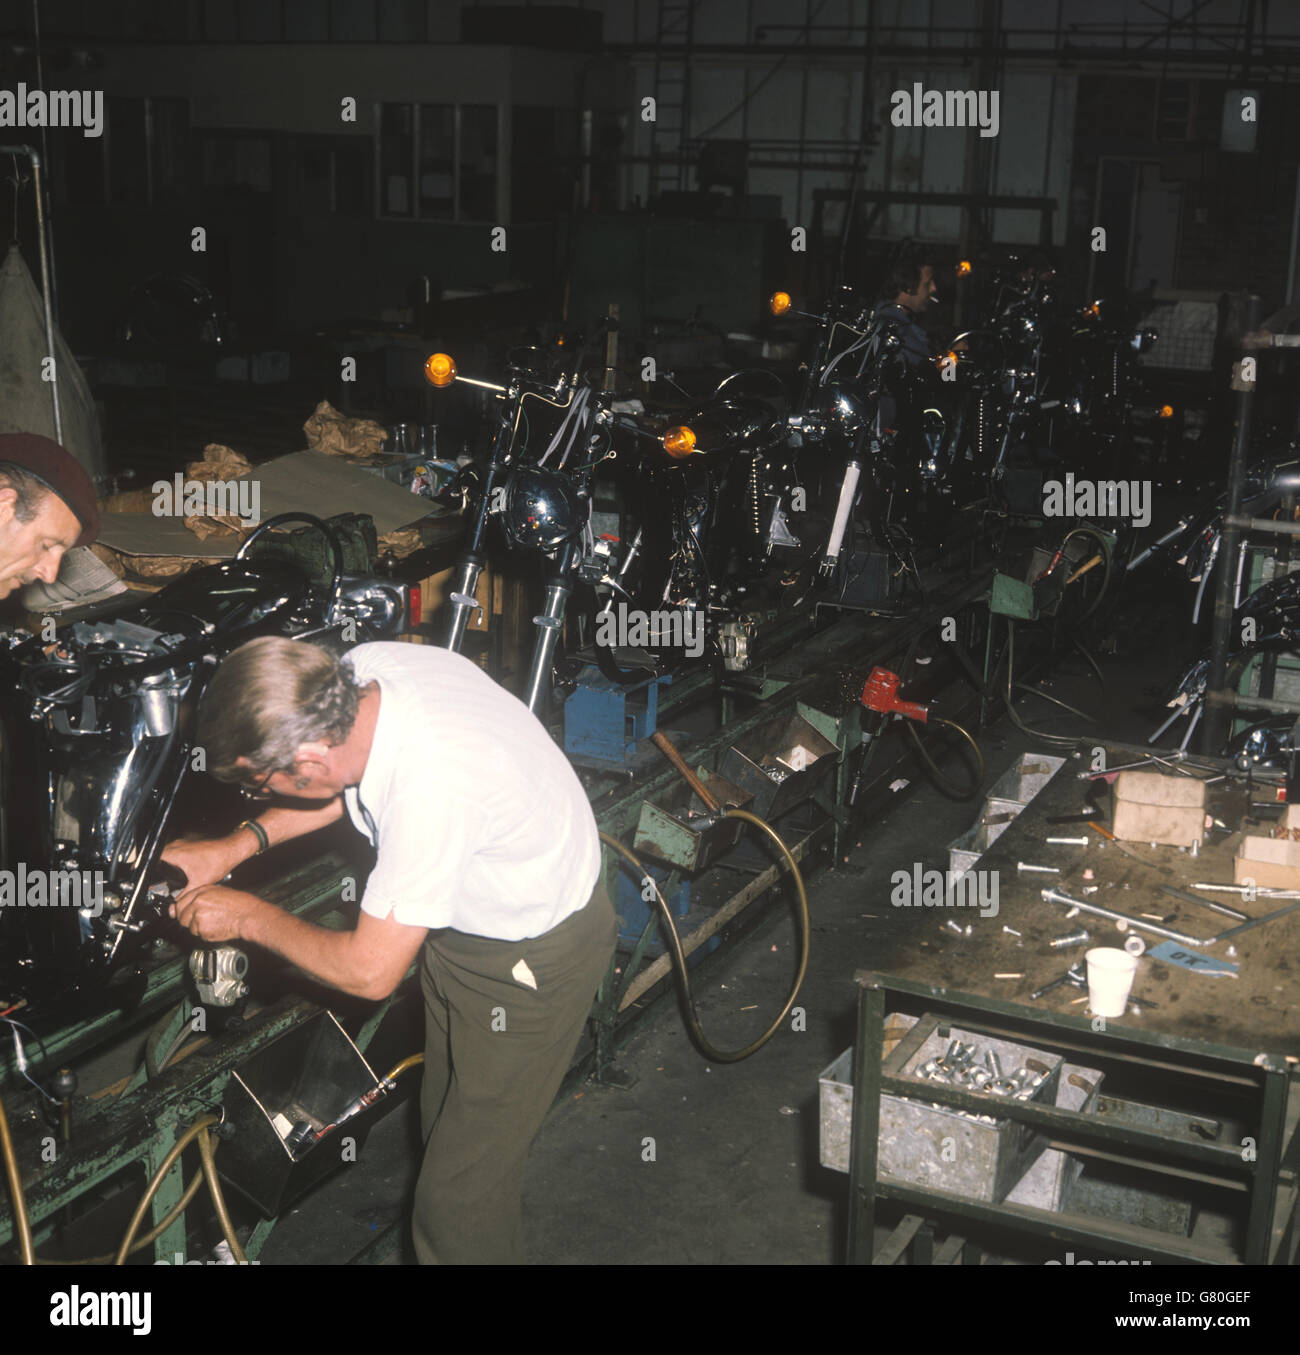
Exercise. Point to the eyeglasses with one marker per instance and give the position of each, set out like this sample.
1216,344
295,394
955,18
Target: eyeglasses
261,791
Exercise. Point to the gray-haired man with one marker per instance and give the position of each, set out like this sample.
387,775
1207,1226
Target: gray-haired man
488,865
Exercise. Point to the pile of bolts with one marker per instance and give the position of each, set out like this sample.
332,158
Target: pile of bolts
961,1067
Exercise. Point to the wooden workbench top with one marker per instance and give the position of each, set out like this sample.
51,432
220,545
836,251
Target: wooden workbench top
1257,1011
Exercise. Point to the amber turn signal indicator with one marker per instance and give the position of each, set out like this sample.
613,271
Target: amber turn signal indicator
779,303
1166,411
679,441
963,269
440,369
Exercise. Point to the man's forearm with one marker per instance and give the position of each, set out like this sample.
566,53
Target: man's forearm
368,961
326,955
282,823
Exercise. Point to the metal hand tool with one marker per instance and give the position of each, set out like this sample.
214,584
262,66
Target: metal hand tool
1055,896
1133,766
1205,903
1075,974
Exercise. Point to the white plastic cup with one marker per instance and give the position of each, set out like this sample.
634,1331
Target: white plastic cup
1110,980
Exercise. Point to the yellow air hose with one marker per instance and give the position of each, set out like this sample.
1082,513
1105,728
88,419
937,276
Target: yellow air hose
199,1126
22,1227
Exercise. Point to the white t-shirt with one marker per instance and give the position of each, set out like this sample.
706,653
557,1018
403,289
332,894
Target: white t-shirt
480,822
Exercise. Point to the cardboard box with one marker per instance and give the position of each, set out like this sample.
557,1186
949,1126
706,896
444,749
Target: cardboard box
1153,807
1272,863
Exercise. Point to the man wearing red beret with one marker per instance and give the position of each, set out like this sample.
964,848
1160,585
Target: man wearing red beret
47,506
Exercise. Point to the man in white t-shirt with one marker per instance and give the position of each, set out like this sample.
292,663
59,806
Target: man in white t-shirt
488,870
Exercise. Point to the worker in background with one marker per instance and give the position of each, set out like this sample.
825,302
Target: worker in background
910,378
47,506
908,292
487,871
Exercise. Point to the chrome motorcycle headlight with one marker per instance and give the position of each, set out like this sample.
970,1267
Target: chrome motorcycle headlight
542,509
845,414
1262,745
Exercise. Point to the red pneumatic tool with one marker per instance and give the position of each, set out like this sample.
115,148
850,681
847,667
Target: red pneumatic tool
880,696
880,700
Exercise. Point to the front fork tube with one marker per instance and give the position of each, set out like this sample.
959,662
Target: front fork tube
464,599
549,625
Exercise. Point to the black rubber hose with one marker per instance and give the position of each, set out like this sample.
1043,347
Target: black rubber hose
679,957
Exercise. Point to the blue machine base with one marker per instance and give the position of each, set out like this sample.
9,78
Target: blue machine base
604,721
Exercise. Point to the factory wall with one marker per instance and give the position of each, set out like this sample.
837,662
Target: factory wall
277,259
794,82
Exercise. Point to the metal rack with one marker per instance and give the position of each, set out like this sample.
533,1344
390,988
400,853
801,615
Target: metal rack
1263,1170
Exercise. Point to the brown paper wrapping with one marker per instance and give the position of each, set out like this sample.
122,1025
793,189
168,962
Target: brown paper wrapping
357,440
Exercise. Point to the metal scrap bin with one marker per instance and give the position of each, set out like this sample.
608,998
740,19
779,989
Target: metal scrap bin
782,764
936,1146
683,832
311,1076
1047,1184
1010,793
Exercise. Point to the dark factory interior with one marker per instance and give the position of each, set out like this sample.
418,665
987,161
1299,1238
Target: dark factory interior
650,633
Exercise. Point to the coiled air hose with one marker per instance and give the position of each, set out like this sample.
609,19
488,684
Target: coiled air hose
1105,560
675,942
140,1243
198,1130
958,792
1057,740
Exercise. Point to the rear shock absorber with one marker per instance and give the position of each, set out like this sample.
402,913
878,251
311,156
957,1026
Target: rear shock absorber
843,512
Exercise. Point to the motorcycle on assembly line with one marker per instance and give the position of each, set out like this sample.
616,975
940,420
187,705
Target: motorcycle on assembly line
1265,622
1001,374
712,512
870,445
1103,395
691,516
554,429
1193,545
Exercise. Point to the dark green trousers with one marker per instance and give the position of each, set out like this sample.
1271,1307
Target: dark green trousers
496,1051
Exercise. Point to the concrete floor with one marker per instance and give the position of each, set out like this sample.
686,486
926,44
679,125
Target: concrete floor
699,1163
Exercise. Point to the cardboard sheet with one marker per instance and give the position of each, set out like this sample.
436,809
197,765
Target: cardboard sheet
303,482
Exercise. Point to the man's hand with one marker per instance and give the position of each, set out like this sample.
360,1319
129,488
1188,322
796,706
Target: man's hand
206,860
367,962
215,913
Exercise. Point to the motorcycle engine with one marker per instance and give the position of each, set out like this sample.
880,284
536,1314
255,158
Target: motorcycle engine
95,749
